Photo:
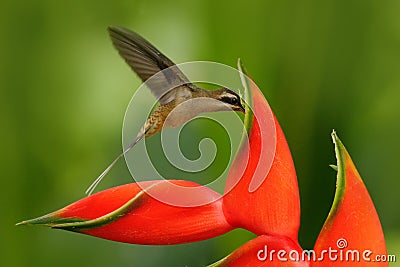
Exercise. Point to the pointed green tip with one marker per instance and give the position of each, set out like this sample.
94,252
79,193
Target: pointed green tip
248,99
49,220
336,140
241,66
340,176
339,150
21,223
219,263
334,136
46,220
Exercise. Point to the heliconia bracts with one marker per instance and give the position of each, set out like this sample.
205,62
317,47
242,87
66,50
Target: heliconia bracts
261,196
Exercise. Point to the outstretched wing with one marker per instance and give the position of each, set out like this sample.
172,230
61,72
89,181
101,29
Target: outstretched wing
146,60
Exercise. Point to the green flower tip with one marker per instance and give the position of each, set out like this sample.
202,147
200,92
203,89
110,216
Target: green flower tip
49,220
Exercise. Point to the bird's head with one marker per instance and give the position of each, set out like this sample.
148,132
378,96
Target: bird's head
230,98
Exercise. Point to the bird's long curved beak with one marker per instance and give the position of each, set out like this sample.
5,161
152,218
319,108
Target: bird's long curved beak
242,109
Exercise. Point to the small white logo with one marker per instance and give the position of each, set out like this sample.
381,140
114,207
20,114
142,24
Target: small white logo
341,243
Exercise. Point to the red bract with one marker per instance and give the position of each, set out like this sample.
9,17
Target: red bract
128,214
274,208
353,223
261,196
266,250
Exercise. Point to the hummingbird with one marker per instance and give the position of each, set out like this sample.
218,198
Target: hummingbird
179,99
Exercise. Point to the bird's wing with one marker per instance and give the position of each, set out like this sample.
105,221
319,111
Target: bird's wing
146,60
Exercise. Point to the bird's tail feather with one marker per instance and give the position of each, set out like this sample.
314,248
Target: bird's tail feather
91,188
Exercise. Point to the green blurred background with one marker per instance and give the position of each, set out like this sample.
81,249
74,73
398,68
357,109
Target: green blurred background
64,90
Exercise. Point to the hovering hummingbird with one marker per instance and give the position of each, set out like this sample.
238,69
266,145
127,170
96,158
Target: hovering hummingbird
180,100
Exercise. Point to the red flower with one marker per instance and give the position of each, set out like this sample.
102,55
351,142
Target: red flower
261,196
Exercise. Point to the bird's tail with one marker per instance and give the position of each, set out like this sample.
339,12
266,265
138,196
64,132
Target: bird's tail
91,188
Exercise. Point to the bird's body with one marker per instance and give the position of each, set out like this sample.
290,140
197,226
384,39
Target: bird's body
156,120
180,100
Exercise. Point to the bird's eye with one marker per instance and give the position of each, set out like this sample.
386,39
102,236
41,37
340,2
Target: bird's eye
234,101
